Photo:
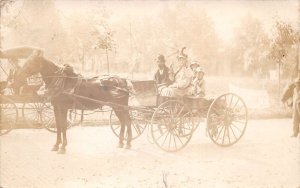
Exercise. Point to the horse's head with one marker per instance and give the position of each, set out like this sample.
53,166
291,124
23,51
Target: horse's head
32,65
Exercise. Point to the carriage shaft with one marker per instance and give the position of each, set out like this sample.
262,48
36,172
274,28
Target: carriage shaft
112,104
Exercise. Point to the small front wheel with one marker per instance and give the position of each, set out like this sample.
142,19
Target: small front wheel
172,125
138,124
48,118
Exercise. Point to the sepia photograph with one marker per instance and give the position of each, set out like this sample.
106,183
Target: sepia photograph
149,93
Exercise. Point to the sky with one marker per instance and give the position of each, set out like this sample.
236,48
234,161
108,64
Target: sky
226,15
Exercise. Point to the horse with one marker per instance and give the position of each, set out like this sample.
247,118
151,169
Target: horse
68,90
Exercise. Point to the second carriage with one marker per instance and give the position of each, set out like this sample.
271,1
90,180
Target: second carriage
27,105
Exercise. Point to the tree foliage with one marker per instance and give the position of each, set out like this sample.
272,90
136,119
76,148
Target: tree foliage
131,42
284,48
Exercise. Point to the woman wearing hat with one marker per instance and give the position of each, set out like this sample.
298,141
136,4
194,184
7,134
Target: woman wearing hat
293,91
194,65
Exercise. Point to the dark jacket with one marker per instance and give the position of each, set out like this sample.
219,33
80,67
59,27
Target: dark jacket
162,78
288,92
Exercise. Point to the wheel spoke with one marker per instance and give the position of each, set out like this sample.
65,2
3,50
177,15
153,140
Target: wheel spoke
219,133
165,138
162,134
170,141
179,138
236,127
228,134
233,132
174,142
224,135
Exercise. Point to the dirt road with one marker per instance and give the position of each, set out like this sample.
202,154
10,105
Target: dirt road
265,157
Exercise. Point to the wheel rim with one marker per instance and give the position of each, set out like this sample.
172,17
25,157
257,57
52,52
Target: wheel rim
32,113
138,125
172,126
48,118
227,119
8,115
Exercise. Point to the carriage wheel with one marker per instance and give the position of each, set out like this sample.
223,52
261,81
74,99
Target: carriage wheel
138,125
8,115
32,113
48,119
227,119
172,125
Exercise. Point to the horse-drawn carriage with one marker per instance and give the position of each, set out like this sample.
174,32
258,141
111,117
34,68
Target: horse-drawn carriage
172,120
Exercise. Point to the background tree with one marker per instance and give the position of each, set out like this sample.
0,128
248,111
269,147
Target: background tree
250,48
284,48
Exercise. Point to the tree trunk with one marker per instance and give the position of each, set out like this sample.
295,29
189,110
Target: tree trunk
107,61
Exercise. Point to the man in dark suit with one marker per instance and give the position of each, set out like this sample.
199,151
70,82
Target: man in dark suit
162,74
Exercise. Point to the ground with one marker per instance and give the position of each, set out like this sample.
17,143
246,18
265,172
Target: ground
265,157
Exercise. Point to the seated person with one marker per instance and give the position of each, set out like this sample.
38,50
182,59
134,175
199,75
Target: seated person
198,83
194,65
182,76
162,74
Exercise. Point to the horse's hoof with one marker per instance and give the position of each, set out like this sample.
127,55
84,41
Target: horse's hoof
120,145
61,151
128,146
55,148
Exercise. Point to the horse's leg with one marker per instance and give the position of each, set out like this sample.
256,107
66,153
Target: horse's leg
64,124
58,129
129,131
122,130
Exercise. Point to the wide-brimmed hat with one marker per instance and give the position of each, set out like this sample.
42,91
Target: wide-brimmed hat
195,63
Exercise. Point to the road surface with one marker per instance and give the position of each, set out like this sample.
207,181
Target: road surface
265,157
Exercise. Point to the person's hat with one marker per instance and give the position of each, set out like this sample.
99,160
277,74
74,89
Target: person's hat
195,63
161,58
200,69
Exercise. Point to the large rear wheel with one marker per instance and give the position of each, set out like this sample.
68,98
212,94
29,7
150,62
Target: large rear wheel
227,119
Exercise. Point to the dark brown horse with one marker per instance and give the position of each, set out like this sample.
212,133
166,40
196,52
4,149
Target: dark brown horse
68,90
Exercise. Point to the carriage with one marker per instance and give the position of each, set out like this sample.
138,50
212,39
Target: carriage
171,121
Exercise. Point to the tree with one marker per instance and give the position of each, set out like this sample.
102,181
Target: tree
284,48
186,25
104,40
38,24
250,50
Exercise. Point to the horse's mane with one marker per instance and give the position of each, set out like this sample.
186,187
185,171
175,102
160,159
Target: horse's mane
111,81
